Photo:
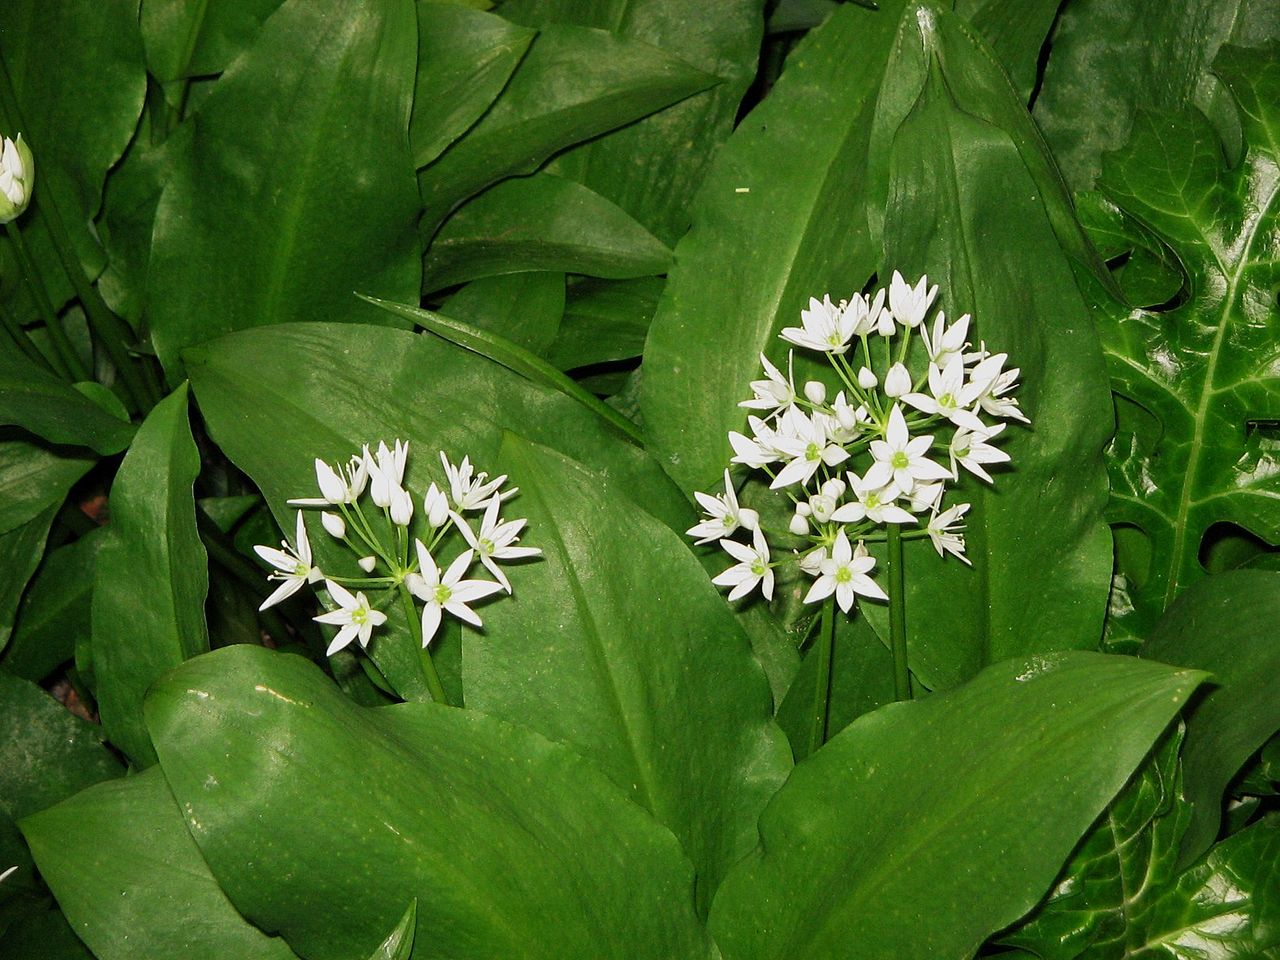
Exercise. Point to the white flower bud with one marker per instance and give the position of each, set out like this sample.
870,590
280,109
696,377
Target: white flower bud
437,506
748,519
367,563
332,486
822,507
401,507
803,509
816,391
867,380
334,525
833,488
799,525
897,381
17,178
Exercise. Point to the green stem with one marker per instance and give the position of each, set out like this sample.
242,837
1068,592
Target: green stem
22,342
428,665
897,615
68,361
822,686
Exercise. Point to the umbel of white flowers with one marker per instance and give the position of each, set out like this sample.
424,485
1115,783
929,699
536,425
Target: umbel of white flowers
382,544
881,451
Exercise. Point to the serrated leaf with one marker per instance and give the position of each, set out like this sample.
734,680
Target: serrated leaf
151,575
325,79
1206,367
891,838
483,822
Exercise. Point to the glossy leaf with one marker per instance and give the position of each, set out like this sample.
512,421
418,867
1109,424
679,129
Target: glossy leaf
1227,626
525,308
20,552
629,648
465,58
54,610
572,85
151,575
1204,368
399,942
653,168
324,80
33,478
276,398
605,321
486,824
42,935
131,880
54,410
891,838
193,38
541,222
1016,32
1111,58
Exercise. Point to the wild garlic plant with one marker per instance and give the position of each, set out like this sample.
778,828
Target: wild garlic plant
398,565
873,463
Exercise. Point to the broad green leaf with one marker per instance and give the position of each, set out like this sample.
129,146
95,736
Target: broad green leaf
652,168
465,58
541,222
605,321
52,409
151,575
1016,32
33,478
616,644
298,186
194,38
46,755
276,398
572,85
42,935
1226,625
54,610
20,552
925,827
399,942
525,308
1206,367
1147,273
1041,551
1110,58
484,823
131,880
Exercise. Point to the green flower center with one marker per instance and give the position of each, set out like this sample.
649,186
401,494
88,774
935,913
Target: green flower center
758,567
947,401
843,575
900,460
486,547
442,594
300,569
813,452
359,615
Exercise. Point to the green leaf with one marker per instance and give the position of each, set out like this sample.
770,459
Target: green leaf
484,823
465,58
195,38
33,478
572,85
605,321
399,942
42,935
1111,58
616,644
524,308
652,168
1016,31
151,577
892,837
1041,551
1226,625
541,222
1206,367
20,551
276,398
131,880
301,154
54,610
52,409
1148,274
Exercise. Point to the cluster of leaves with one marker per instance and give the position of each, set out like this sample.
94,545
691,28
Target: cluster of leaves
575,226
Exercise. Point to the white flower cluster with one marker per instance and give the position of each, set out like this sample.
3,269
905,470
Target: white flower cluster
880,452
387,544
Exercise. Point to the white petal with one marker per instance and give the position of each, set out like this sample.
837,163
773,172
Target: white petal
344,637
286,589
463,613
342,595
430,622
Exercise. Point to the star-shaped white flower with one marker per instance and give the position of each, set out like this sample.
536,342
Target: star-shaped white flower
446,593
971,450
807,443
862,316
293,566
909,304
825,327
341,485
844,573
755,451
774,393
472,492
945,531
994,383
752,567
386,472
946,342
495,539
354,616
900,458
873,503
724,515
953,398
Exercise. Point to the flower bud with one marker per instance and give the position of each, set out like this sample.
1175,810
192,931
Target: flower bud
816,391
867,380
822,507
437,506
803,509
367,563
401,507
334,525
897,381
17,178
799,525
833,488
748,519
